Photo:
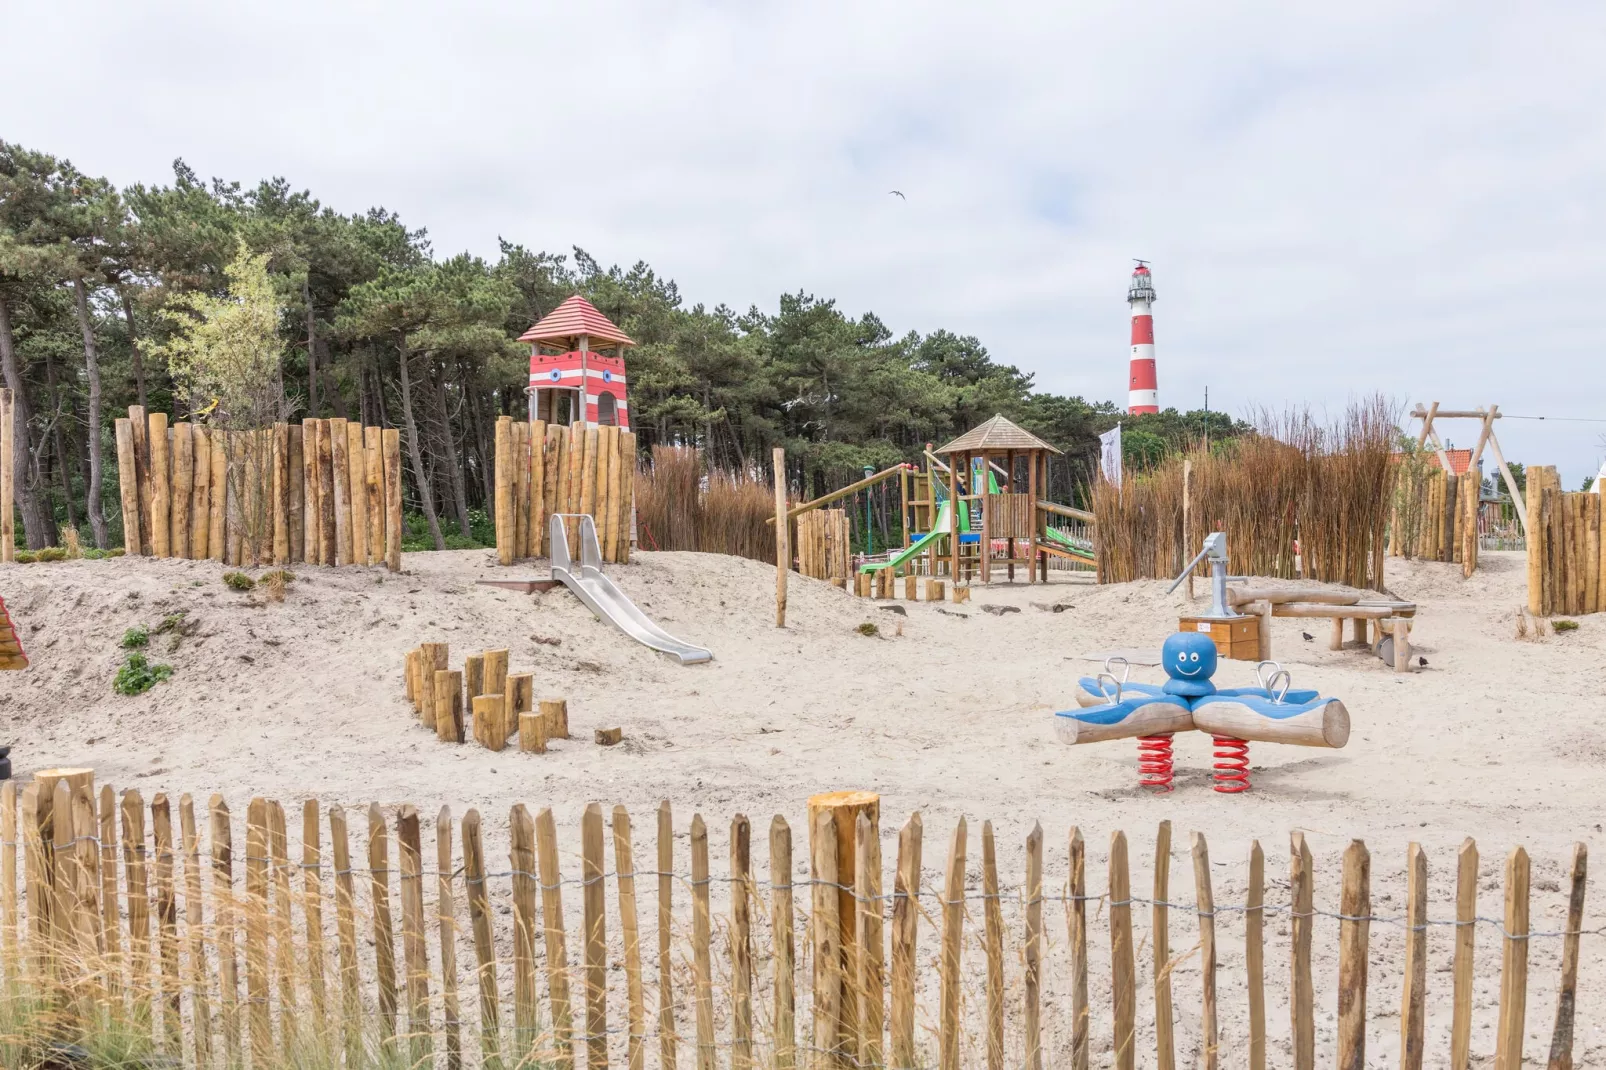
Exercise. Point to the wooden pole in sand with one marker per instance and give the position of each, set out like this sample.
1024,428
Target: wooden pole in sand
783,540
844,808
391,452
505,521
183,475
160,508
127,485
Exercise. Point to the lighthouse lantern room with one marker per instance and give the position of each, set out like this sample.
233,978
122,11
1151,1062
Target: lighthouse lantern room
577,367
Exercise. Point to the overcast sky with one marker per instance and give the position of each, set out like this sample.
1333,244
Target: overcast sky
1337,199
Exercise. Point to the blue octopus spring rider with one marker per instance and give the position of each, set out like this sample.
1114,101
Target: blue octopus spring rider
1114,708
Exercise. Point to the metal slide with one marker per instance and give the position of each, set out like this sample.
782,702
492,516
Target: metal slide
603,596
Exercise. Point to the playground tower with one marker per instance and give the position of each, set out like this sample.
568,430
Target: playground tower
1144,394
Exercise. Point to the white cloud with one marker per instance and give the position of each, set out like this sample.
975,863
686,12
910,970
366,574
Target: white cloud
1382,196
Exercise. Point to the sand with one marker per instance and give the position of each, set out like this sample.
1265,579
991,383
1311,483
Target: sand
949,713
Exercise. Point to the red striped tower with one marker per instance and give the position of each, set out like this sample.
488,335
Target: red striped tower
1145,393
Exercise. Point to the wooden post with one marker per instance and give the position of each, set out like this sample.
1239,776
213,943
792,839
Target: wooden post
224,925
432,658
415,944
127,484
825,924
520,695
328,505
10,957
627,495
870,970
624,865
783,538
845,808
256,931
296,490
1209,1040
934,590
384,930
521,832
532,732
446,922
1301,1002
479,913
194,917
311,502
1466,913
1514,964
953,923
520,478
391,456
351,1027
1537,538
200,493
1413,992
993,927
357,492
594,903
139,423
1165,1048
448,706
216,536
312,911
374,466
666,980
1076,925
278,512
555,714
1255,955
784,946
489,711
473,679
557,952
1561,1037
161,489
282,927
505,521
1122,966
340,480
1034,948
537,478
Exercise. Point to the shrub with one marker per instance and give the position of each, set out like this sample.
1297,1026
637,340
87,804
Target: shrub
1564,625
868,628
171,622
138,675
53,553
26,557
136,637
238,581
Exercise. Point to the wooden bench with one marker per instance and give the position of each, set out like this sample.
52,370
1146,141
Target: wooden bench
1393,618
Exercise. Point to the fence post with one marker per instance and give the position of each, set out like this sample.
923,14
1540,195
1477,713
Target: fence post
446,919
557,952
594,902
824,922
1076,922
479,913
993,923
384,930
1514,961
624,864
1122,966
256,931
351,1030
702,966
1255,955
1034,947
783,536
9,929
1561,1038
415,943
741,848
312,908
666,984
224,921
1353,933
1165,1048
870,974
953,923
1209,1039
283,928
785,945
195,917
521,832
1413,993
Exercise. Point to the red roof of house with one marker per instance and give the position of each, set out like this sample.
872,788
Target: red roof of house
1460,461
576,316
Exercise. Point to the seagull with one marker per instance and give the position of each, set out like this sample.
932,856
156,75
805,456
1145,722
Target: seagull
898,193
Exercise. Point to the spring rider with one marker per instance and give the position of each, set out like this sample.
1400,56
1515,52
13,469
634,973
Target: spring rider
1113,708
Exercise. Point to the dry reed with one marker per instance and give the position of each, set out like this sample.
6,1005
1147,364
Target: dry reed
679,507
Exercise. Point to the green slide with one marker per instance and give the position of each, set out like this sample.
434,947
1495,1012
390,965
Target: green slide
1070,545
920,545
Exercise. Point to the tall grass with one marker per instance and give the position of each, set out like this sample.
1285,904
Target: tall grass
1296,498
680,507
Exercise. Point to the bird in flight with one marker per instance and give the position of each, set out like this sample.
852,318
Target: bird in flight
898,193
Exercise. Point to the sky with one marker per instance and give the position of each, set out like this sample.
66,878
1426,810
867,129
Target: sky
1337,200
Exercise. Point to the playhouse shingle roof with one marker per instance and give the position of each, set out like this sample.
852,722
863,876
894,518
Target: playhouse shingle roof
996,434
575,316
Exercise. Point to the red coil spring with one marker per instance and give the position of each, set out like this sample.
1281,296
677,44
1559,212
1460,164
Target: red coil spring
1154,762
1232,765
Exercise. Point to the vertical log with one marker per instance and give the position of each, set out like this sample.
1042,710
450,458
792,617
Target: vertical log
256,931
10,946
328,504
167,922
1165,1048
340,476
905,934
557,951
218,510
127,486
311,500
1561,1037
1302,995
1255,955
520,478
1514,962
1413,993
506,525
741,938
784,945
36,874
312,909
194,917
1466,914
826,924
446,919
1122,964
538,500
1034,948
279,509
1209,1039
415,941
432,658
627,495
953,924
624,865
110,913
374,469
1353,933
489,711
200,493
351,1027
357,492
479,914
448,706
85,861
1076,923
701,935
224,923
520,695
783,537
295,474
870,974
666,986
285,961
594,905
139,423
161,488
993,922
391,457
384,931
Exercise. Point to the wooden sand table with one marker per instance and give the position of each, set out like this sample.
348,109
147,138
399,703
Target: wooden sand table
1393,618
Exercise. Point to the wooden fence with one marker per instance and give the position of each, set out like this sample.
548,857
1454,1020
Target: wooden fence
321,492
153,929
8,476
1566,554
543,469
824,549
1435,518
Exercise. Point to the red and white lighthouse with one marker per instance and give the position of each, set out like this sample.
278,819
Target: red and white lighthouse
1144,395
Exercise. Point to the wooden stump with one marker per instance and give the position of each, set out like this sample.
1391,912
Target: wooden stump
488,730
555,713
532,733
961,595
448,706
520,699
911,588
934,591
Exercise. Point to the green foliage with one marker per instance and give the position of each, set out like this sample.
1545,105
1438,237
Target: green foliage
1564,625
238,581
26,557
53,553
137,637
138,675
868,628
172,622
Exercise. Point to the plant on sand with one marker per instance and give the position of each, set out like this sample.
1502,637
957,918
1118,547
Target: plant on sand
238,581
138,675
136,637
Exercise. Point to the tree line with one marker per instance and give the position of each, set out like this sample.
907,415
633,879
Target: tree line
99,287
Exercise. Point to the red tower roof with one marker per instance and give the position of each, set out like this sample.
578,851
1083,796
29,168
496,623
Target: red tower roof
576,316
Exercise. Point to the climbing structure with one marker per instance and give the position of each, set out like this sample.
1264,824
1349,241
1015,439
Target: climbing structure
11,655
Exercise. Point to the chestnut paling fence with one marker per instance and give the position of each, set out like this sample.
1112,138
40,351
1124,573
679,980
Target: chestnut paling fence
230,950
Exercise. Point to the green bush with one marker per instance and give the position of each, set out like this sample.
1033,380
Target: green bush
27,557
138,675
1564,625
136,637
92,554
238,581
171,622
53,553
868,628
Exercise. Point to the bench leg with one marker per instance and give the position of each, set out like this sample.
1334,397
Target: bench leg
1337,641
1402,645
1360,630
1264,609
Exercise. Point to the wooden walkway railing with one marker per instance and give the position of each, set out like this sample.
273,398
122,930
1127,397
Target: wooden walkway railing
223,945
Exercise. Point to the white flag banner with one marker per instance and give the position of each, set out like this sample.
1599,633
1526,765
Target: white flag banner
1110,455
1600,479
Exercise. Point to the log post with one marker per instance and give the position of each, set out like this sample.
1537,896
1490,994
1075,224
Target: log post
783,537
844,808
